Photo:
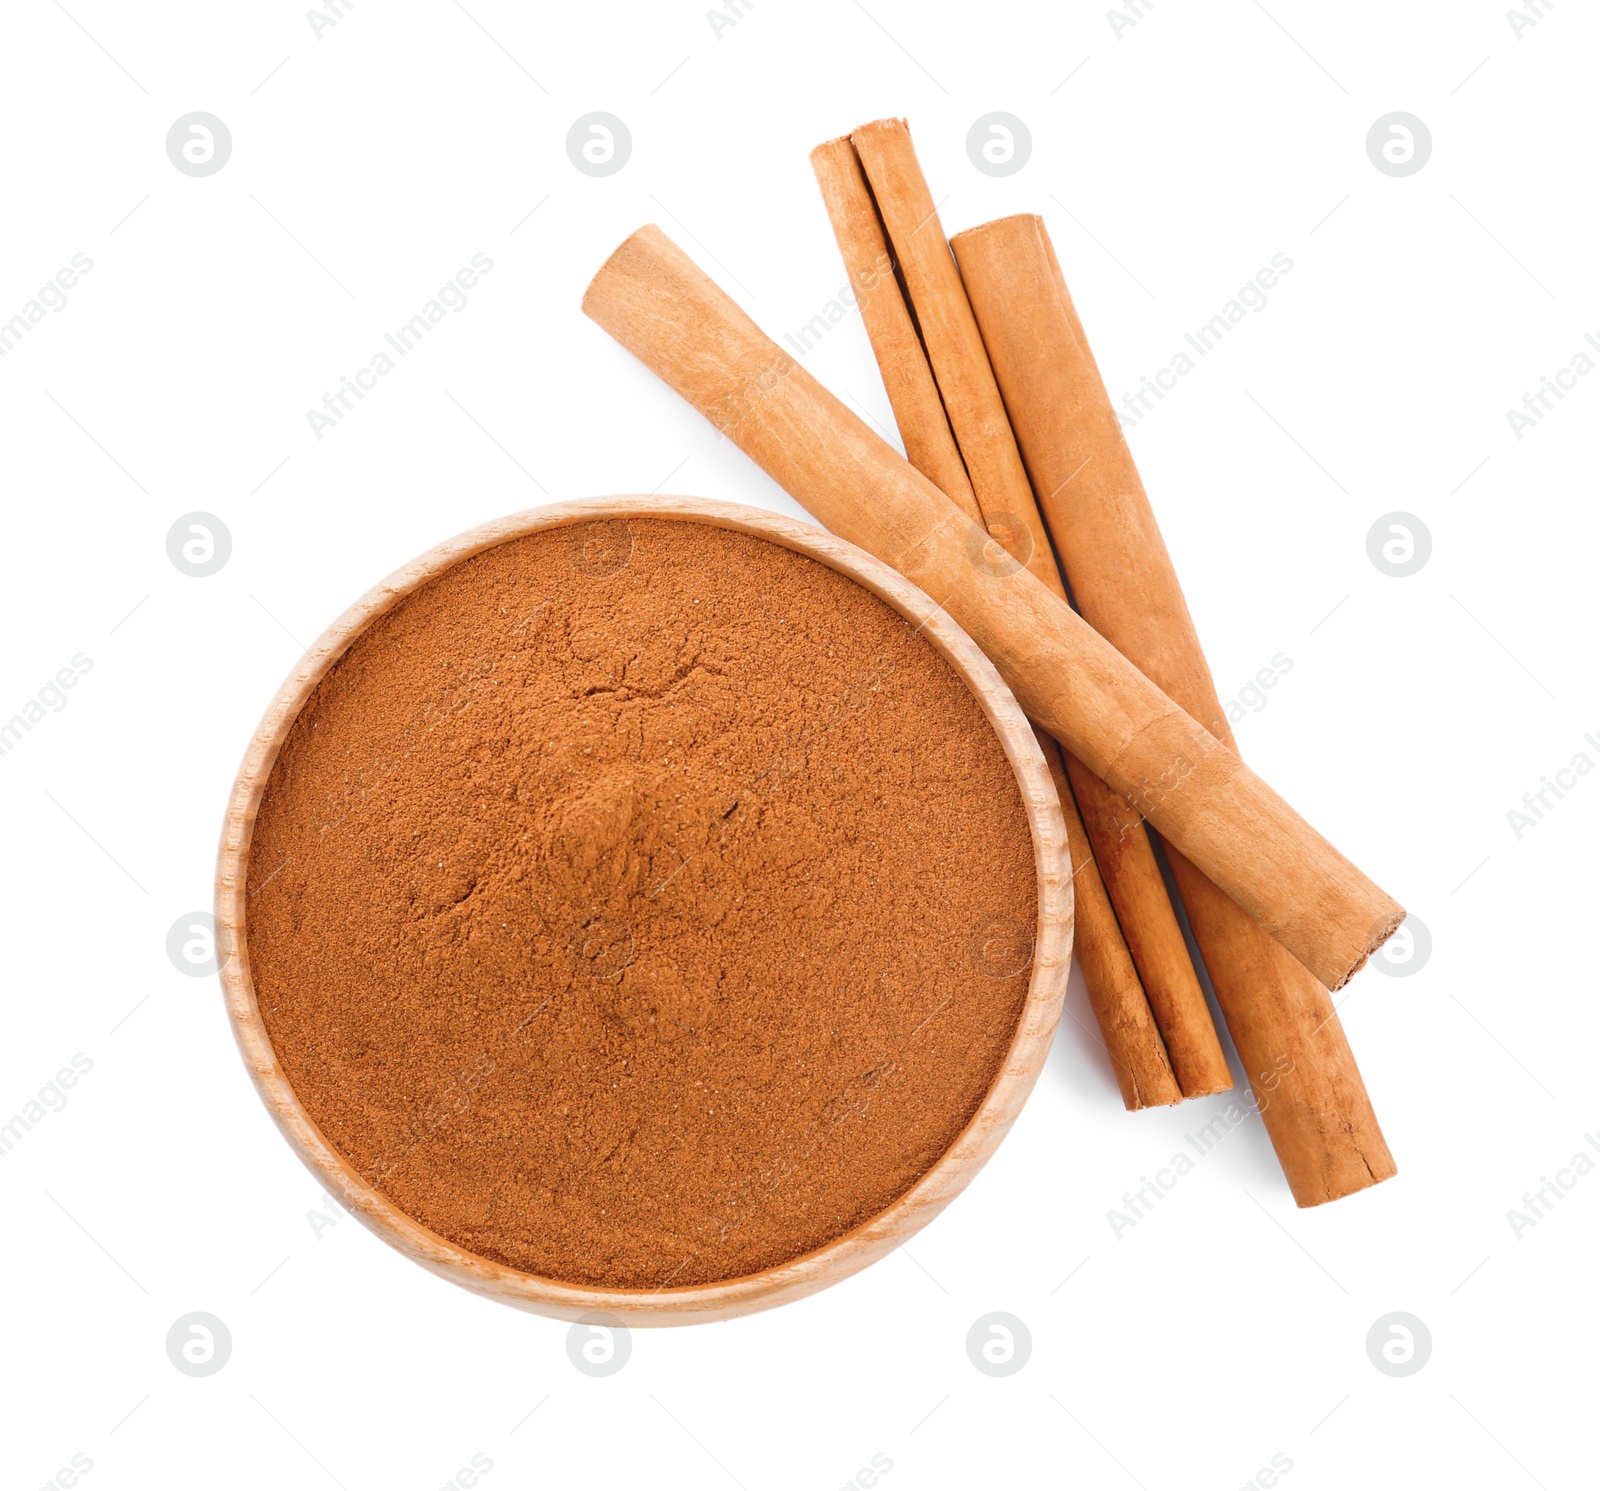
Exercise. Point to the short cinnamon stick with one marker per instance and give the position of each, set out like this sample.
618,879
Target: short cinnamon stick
1121,1010
1137,889
660,305
962,391
1128,1027
1308,1088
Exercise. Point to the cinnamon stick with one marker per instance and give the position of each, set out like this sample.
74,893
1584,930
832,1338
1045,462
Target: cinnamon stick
1138,1050
1121,1010
660,305
898,201
1137,890
954,346
913,396
1308,1088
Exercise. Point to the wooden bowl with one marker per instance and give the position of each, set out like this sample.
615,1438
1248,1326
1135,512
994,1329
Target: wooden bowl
846,1254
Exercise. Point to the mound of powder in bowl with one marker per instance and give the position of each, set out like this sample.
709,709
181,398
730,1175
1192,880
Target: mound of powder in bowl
630,904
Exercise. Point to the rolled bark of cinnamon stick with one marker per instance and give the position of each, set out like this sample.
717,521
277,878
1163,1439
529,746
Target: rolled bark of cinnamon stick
660,305
961,391
1311,1095
1137,1042
919,412
1137,890
954,346
1138,1056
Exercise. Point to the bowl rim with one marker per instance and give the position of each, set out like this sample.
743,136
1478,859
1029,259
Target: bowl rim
797,1277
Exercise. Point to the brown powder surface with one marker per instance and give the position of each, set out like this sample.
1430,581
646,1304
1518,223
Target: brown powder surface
641,902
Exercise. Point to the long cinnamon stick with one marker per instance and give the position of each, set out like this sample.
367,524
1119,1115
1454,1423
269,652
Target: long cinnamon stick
899,203
1128,1027
1311,1095
919,412
660,305
954,346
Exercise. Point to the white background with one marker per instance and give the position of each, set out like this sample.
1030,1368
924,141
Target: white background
1174,161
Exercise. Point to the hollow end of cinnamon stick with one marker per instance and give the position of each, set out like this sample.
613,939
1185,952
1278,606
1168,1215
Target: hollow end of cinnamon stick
1384,930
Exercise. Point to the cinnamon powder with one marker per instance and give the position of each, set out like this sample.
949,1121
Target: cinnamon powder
641,902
